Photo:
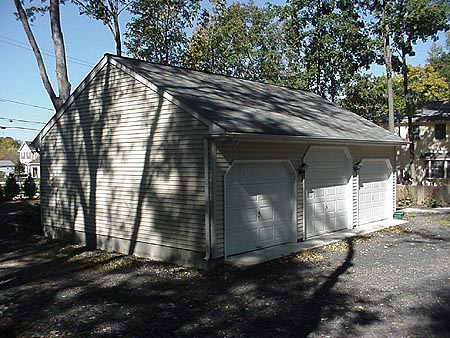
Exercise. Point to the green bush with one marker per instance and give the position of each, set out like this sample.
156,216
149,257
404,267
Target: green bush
12,188
2,195
29,187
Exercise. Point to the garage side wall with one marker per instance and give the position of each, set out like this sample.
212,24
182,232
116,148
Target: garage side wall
123,169
227,152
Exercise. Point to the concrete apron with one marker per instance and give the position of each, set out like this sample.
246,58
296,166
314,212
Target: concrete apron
274,252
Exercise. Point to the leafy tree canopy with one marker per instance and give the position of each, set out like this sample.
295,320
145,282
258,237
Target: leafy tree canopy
157,30
241,40
9,148
328,44
439,58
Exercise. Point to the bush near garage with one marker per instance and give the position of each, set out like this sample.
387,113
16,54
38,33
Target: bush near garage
29,187
12,188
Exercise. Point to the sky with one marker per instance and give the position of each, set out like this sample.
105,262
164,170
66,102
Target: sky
22,95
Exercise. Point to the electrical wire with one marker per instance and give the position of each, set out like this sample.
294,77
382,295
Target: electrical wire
44,51
25,104
22,128
19,120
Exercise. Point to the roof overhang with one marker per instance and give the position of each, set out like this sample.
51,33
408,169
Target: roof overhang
302,139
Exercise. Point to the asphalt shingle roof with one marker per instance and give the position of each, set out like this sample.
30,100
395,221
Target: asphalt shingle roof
248,107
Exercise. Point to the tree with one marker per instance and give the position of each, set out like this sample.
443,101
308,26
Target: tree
9,149
424,85
241,40
366,96
12,189
29,187
157,32
439,58
28,15
107,11
328,44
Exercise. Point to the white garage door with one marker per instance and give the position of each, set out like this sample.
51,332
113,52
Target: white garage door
375,191
259,206
328,190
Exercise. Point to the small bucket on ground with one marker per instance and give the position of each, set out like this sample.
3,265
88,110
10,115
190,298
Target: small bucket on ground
399,214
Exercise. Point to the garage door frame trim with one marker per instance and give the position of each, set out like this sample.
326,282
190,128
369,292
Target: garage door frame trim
294,193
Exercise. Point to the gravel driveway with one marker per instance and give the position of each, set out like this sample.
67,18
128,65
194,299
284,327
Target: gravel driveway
394,283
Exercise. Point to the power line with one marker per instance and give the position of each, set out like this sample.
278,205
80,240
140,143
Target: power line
44,51
25,104
22,128
19,120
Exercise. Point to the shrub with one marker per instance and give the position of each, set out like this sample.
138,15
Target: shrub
29,187
12,189
2,195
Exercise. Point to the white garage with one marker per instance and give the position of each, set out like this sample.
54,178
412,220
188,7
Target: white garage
328,194
260,205
375,191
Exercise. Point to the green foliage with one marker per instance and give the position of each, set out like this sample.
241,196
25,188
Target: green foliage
431,202
106,11
2,195
9,149
29,187
157,30
439,58
366,96
424,85
242,40
328,43
12,188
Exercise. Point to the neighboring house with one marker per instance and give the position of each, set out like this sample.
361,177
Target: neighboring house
431,129
187,166
29,157
6,168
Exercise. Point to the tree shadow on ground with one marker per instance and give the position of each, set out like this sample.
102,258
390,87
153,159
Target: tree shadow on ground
71,290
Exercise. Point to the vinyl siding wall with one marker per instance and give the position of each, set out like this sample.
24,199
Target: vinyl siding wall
124,167
227,152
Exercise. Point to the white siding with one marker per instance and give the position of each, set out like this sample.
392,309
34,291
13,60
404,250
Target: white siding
122,162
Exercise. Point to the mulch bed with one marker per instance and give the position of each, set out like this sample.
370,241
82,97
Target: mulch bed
393,283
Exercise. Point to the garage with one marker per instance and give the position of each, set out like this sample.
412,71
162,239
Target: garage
260,206
375,190
328,192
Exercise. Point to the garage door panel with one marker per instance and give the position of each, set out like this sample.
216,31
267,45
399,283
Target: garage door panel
266,206
374,191
328,190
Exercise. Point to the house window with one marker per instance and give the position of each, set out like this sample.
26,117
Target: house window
437,169
440,132
416,133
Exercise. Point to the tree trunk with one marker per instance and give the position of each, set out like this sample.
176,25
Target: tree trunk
388,63
114,6
37,54
60,53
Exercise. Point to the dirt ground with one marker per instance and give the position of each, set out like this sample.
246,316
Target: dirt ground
393,283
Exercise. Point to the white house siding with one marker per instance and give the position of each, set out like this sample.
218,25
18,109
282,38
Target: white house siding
227,152
123,168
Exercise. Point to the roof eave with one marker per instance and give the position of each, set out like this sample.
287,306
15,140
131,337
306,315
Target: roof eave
303,139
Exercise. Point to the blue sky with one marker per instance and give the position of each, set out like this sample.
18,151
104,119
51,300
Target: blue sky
86,42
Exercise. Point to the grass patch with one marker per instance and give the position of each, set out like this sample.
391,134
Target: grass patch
444,221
